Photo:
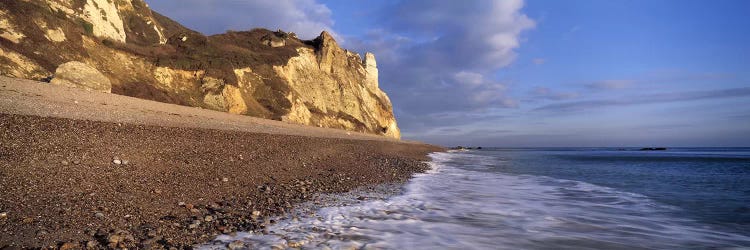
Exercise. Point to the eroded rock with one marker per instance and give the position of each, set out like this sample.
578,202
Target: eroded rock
80,75
105,19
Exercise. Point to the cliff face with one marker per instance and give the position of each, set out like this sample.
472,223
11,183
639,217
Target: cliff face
259,73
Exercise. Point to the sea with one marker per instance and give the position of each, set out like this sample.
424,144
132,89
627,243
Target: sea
536,198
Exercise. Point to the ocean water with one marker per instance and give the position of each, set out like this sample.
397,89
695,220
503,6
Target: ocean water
574,198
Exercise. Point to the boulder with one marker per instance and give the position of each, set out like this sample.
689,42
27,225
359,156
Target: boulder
80,75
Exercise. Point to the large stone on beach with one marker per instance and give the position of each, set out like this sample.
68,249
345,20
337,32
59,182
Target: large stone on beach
80,75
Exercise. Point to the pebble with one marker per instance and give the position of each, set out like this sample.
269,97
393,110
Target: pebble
148,243
76,162
225,179
296,244
117,161
99,215
256,213
208,218
64,163
236,245
91,244
3,215
181,204
69,246
119,238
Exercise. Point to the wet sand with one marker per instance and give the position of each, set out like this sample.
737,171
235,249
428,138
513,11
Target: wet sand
133,173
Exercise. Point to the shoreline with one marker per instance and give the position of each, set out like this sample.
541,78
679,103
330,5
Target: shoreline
96,170
305,210
173,187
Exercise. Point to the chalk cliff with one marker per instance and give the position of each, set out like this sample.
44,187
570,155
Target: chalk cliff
143,54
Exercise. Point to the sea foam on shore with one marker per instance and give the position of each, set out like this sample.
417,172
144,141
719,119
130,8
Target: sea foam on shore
460,204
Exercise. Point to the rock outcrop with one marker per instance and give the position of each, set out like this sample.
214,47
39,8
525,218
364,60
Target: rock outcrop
79,75
143,54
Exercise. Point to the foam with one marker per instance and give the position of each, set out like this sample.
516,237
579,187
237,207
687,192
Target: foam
453,207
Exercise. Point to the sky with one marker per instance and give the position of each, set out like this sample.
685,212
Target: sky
514,73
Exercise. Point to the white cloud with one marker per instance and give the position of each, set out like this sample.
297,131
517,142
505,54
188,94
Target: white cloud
449,59
481,33
549,94
307,18
470,79
640,99
610,84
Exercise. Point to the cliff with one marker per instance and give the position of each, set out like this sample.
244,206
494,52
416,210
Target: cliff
123,47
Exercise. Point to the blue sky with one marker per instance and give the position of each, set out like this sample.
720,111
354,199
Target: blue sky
533,73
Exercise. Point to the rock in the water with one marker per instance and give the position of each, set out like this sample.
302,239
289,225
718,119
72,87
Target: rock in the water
296,244
236,245
80,75
653,149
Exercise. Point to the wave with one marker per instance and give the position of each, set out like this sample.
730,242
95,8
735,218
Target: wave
453,207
